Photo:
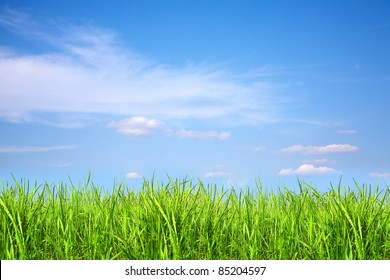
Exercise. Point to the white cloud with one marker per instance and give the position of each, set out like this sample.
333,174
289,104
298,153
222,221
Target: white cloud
141,126
136,126
347,131
380,175
216,174
203,134
307,169
89,72
133,175
319,150
33,149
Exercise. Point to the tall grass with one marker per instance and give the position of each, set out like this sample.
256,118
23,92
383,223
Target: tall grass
188,220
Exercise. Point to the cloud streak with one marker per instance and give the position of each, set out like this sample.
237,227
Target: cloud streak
142,127
33,149
216,174
210,135
320,150
347,131
89,72
380,175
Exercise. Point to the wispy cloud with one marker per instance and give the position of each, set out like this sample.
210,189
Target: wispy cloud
137,126
33,149
347,131
141,126
380,175
259,149
88,71
15,20
203,134
216,174
133,175
307,169
320,150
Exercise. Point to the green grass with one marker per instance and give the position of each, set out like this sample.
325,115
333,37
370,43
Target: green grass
188,220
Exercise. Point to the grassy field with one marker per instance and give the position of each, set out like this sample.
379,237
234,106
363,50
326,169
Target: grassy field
188,220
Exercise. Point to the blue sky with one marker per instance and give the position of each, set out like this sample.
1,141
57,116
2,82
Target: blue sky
224,91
